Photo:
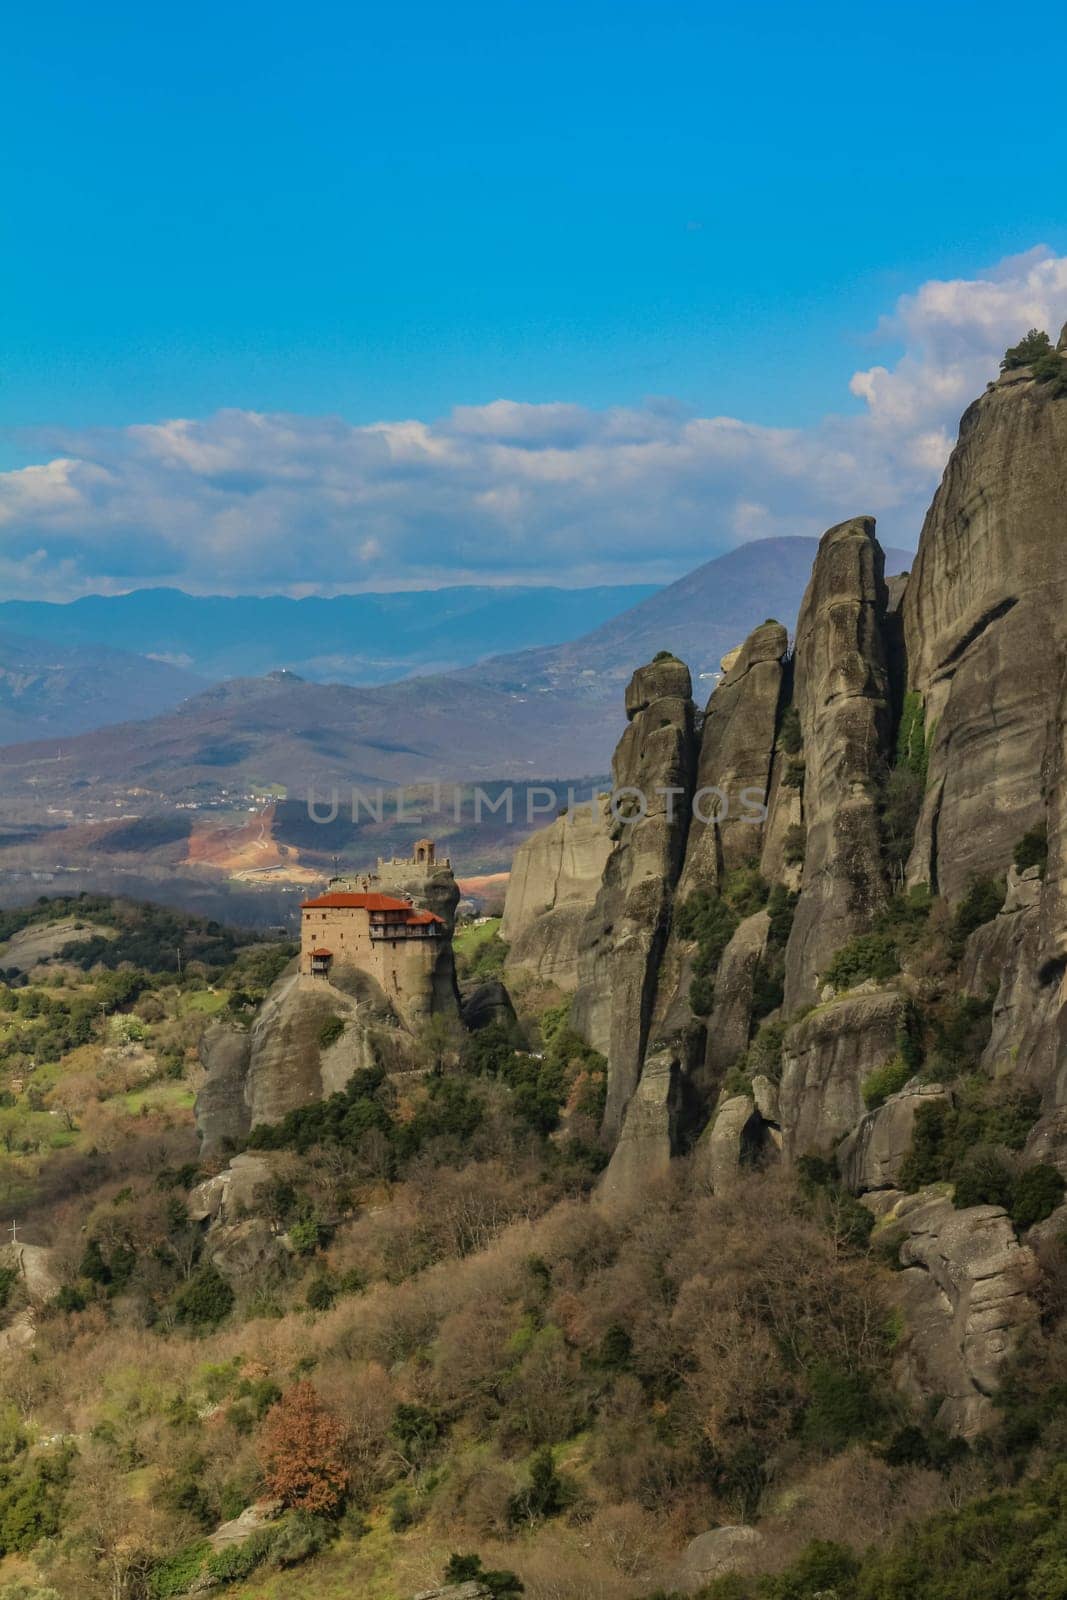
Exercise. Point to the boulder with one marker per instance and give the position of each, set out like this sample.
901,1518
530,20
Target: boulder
247,1254
826,1058
487,1004
871,1156
842,695
968,1294
734,1135
233,1193
715,1554
552,888
250,1521
456,1591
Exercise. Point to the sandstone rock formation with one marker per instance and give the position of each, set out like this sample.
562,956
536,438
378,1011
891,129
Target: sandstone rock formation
260,1073
842,695
624,936
486,1004
872,1154
826,1058
985,623
967,1294
712,1555
734,766
649,1136
734,1135
731,1013
555,878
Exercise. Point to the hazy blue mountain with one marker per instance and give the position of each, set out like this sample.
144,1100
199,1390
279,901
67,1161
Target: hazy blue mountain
352,638
699,618
50,690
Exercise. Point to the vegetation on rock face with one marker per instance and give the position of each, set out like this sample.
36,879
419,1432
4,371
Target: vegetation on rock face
1032,850
711,919
884,1081
1036,350
981,903
1031,347
970,1141
866,956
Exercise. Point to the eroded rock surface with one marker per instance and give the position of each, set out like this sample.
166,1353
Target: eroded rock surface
712,1555
826,1058
985,622
872,1154
623,938
280,1063
554,882
842,696
968,1297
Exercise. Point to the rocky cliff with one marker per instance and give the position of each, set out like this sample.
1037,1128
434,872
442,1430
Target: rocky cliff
554,882
873,970
623,938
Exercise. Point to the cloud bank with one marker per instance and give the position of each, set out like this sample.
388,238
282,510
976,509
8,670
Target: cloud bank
509,492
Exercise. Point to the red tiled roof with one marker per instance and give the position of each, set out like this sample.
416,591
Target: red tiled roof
322,952
424,917
341,900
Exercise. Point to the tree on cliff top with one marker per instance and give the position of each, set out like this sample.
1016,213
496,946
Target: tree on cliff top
1031,348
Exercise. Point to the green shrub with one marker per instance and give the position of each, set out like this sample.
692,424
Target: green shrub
1050,369
331,1031
980,904
764,1055
322,1292
239,1561
746,890
1032,849
1039,1189
545,1494
983,1179
177,1573
205,1301
1031,347
468,1569
795,844
308,1234
31,1500
790,737
912,749
884,1081
868,955
711,921
415,1430
945,1137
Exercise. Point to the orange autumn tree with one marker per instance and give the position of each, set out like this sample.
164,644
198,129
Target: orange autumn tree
301,1448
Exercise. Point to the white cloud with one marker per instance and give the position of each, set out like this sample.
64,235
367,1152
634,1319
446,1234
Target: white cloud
510,491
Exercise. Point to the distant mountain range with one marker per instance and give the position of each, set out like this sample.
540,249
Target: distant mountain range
52,690
351,638
548,713
699,618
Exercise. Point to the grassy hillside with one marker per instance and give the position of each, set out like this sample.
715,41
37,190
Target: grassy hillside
439,1355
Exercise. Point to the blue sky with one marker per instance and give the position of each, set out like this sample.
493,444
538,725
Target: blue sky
384,214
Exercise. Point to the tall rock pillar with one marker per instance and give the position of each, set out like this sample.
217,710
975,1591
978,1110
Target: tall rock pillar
842,696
